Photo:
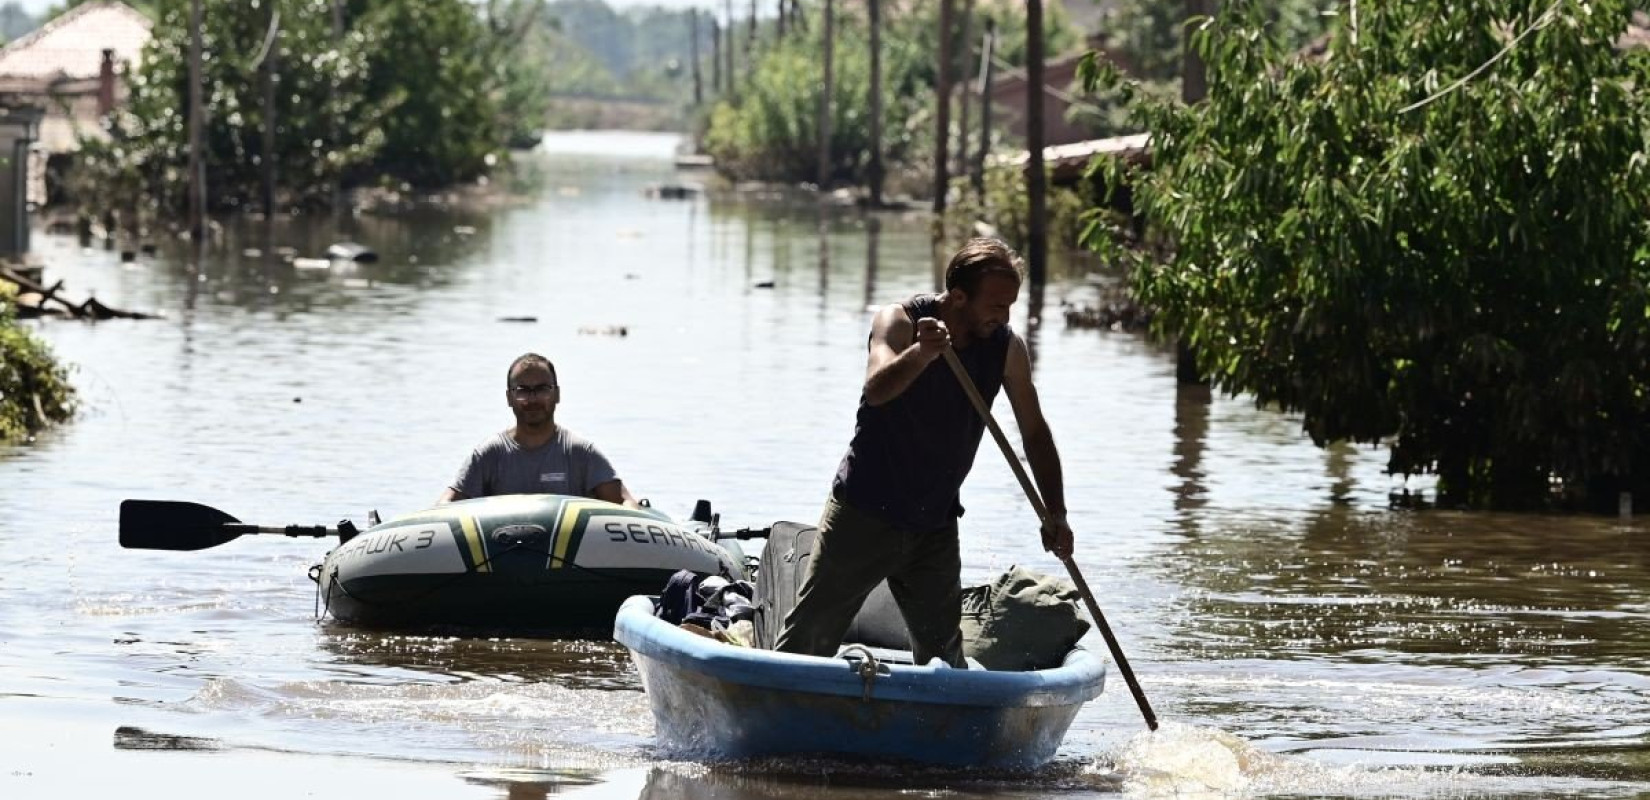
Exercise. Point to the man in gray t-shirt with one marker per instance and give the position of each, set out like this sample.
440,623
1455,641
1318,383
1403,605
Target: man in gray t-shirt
537,456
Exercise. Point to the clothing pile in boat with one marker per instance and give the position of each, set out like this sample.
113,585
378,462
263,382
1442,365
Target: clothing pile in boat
710,605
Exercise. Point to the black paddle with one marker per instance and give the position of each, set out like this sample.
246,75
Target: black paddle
176,525
1042,517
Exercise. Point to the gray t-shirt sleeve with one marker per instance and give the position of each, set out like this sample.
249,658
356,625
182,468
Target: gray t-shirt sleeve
471,480
592,465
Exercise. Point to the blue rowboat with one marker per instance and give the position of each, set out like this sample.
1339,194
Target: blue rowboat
717,701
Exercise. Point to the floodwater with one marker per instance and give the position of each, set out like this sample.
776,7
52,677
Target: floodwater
1296,633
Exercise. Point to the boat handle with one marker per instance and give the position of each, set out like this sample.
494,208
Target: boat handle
868,667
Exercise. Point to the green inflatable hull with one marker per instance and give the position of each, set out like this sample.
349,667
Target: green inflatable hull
527,563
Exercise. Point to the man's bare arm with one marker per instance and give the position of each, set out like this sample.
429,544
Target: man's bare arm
614,491
449,496
1043,456
899,351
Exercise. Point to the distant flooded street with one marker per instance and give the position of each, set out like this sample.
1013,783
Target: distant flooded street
1296,634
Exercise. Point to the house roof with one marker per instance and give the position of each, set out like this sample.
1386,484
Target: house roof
71,45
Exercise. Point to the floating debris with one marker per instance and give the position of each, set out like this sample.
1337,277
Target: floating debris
351,251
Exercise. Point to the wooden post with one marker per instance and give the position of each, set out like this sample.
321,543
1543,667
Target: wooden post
942,112
875,172
750,41
715,54
1193,87
829,33
727,5
197,166
965,86
693,45
779,21
1193,80
335,126
271,77
987,46
1037,246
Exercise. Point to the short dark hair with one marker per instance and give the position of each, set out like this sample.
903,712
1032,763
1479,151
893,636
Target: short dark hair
979,257
530,358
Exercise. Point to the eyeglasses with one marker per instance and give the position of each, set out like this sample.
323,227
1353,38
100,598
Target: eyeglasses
531,389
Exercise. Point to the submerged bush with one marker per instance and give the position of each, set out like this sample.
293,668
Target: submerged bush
34,387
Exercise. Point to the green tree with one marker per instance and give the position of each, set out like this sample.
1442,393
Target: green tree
1434,237
768,130
431,64
765,130
325,122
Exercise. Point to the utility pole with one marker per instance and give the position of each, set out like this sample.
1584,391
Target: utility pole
875,172
779,22
829,32
197,166
1037,247
1193,80
336,125
942,114
967,40
715,54
727,5
693,40
987,46
271,75
1194,86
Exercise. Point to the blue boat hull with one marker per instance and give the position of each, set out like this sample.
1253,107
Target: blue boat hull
716,701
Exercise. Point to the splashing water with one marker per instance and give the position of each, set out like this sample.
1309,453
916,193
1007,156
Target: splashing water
1188,761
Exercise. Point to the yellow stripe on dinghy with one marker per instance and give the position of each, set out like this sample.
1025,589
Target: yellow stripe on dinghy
478,548
570,512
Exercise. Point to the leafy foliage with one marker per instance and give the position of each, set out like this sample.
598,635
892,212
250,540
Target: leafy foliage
422,91
767,129
1406,248
34,387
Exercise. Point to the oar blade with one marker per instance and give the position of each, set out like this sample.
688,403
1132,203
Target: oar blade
172,525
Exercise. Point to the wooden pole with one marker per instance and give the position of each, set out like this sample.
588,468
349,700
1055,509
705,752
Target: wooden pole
1041,510
965,85
336,125
1193,80
271,77
715,54
197,166
829,33
1037,246
875,172
987,46
942,113
693,45
727,5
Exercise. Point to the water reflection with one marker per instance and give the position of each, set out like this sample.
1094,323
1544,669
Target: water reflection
1191,428
572,663
828,780
1441,587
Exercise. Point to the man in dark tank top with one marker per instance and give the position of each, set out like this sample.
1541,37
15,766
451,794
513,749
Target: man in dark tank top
893,508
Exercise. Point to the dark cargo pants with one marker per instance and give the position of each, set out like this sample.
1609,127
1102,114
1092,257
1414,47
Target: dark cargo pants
855,551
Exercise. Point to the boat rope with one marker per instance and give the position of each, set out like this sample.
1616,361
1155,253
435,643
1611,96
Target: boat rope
868,667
